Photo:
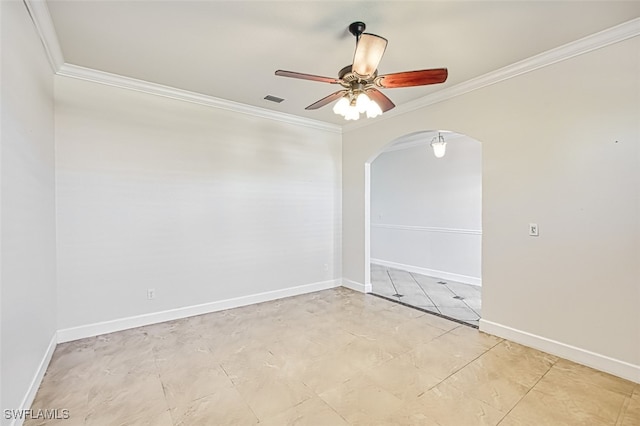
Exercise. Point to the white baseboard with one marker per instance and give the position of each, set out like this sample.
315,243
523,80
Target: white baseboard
96,329
581,356
430,272
354,285
37,379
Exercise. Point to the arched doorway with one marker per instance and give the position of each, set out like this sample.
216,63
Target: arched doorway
425,224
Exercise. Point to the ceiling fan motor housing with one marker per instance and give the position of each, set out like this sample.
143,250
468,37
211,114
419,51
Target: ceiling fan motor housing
347,76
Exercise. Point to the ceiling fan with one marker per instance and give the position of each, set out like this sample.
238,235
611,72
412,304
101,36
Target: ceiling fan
360,80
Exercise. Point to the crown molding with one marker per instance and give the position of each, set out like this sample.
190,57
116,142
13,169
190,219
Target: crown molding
39,13
581,46
109,79
41,18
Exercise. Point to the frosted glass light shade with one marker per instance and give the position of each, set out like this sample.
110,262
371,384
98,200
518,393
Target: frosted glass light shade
352,113
341,106
373,109
362,102
439,148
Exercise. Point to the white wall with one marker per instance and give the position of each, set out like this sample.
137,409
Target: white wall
200,204
27,207
549,156
426,212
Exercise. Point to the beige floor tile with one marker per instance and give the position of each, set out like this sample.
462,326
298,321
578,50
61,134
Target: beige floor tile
251,364
70,393
115,387
367,352
365,324
74,360
630,413
590,394
268,396
55,419
312,412
405,310
225,407
568,370
509,420
438,322
449,406
472,336
414,331
444,355
325,332
327,372
121,398
359,400
487,386
501,376
402,378
409,414
159,419
516,362
183,383
538,408
332,357
297,347
192,355
392,317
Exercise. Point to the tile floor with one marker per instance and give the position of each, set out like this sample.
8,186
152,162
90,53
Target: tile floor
335,357
445,297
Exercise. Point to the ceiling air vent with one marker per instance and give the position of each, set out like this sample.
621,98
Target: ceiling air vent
273,99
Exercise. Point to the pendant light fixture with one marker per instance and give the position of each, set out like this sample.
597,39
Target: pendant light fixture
439,146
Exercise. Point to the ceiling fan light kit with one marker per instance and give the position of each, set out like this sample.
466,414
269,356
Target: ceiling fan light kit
360,80
354,103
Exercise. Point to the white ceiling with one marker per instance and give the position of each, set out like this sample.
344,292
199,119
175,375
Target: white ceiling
230,49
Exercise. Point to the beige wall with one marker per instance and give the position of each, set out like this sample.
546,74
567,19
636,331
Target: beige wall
549,156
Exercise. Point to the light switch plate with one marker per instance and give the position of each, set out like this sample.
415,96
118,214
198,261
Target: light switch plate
533,229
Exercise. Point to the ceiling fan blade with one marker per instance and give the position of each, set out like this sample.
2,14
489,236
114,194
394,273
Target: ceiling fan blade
327,99
303,76
412,78
380,98
369,51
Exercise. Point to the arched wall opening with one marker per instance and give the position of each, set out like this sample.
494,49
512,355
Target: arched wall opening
425,223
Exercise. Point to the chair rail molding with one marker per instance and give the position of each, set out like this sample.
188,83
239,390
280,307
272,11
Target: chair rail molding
427,228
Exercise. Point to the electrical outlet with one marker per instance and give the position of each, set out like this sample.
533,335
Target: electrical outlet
533,229
326,267
151,293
